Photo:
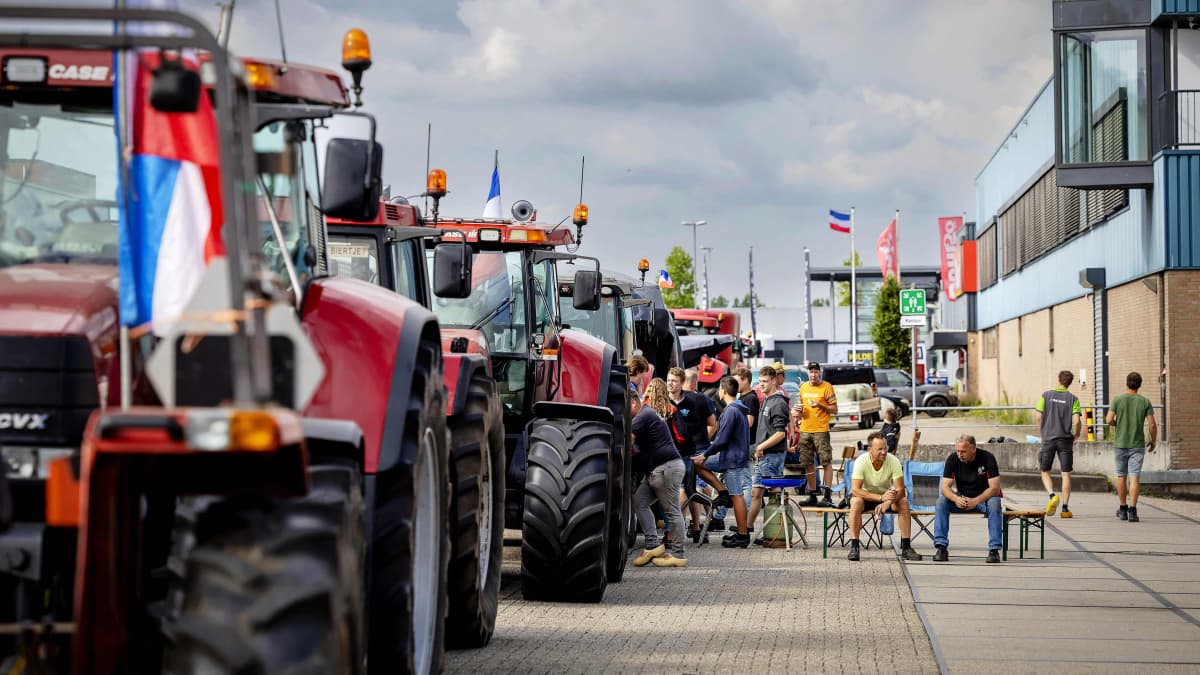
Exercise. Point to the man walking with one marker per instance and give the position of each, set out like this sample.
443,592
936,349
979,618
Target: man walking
1130,412
877,486
815,405
1059,418
771,440
657,458
976,475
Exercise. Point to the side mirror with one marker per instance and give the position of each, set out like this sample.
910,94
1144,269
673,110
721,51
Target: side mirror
586,295
452,270
174,88
353,179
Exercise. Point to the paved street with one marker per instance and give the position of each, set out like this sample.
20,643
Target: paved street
1109,596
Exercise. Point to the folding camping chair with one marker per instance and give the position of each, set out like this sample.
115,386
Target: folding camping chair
694,496
923,483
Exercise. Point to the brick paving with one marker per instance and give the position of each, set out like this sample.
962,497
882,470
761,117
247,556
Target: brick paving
730,610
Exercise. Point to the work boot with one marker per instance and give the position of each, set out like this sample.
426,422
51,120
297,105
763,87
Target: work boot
994,555
1133,515
734,533
941,555
812,499
736,541
1123,512
826,500
853,554
911,555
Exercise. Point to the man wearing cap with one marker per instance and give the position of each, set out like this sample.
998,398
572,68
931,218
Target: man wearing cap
815,406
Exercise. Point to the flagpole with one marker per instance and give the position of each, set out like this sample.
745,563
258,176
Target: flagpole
753,320
807,304
853,297
896,244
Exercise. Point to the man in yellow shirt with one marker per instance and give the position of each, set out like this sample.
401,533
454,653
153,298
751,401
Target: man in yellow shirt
813,408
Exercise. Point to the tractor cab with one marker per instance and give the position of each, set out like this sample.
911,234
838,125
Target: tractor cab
613,321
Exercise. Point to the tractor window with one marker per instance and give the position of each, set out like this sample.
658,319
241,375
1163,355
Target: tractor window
601,323
627,341
58,185
405,260
544,286
496,305
281,169
354,256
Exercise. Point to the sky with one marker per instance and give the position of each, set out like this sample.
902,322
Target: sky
757,116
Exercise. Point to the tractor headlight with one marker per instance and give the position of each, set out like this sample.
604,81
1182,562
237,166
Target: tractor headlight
30,462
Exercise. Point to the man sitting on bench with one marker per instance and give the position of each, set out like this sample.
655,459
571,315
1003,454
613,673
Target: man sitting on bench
977,476
877,484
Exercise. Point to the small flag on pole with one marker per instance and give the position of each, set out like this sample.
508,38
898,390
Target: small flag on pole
664,280
492,208
887,252
839,222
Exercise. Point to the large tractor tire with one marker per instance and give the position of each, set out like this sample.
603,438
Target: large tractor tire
275,586
477,517
566,515
621,515
410,547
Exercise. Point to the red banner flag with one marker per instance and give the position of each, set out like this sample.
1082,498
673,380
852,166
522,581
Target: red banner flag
887,253
948,231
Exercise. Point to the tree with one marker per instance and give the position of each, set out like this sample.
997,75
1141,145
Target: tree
843,287
820,302
679,268
745,301
720,302
893,344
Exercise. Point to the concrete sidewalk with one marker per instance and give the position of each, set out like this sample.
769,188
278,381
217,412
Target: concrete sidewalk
1109,596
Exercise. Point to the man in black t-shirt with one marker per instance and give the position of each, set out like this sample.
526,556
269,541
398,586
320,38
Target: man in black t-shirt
976,476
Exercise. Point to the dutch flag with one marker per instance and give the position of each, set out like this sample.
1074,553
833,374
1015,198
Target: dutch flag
837,221
169,198
492,208
664,280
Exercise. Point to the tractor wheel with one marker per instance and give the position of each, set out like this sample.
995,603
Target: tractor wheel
410,546
621,506
477,519
566,514
276,586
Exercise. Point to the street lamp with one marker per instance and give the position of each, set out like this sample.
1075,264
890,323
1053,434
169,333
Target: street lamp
694,225
707,250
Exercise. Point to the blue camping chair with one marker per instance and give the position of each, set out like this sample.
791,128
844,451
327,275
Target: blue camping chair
923,483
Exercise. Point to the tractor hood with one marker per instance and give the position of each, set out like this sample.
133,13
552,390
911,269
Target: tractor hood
59,299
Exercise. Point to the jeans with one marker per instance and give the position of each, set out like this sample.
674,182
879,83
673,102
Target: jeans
995,515
662,483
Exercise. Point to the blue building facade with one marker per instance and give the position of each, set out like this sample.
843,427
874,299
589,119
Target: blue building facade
1088,219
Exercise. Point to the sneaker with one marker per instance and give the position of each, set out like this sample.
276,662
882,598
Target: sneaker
669,560
941,555
1066,513
993,556
715,525
758,541
1052,506
649,554
734,533
1123,512
853,554
912,555
723,500
812,499
826,502
1133,515
736,541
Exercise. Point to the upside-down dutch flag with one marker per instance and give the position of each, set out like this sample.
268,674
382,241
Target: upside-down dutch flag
664,280
169,199
836,220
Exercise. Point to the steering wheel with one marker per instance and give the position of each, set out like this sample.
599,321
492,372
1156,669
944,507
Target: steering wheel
92,206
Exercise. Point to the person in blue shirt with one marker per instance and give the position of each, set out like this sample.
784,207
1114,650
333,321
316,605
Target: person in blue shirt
729,452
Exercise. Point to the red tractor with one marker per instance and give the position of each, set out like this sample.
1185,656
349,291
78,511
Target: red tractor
564,397
280,500
390,251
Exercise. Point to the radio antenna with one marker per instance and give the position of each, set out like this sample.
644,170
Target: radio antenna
282,47
428,142
225,22
582,162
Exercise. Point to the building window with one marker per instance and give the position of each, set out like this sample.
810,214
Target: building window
987,257
1102,81
990,347
1052,329
1046,216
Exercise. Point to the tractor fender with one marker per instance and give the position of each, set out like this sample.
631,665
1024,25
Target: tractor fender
572,411
459,369
376,345
584,371
327,438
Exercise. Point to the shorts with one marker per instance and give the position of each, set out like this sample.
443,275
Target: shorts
1064,448
870,504
817,441
1129,461
737,479
770,464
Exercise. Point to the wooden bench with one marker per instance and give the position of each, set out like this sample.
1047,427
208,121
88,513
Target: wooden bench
1027,519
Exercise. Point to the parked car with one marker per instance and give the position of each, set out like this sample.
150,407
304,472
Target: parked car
896,382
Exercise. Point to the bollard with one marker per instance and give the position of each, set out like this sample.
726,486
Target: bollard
1089,420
